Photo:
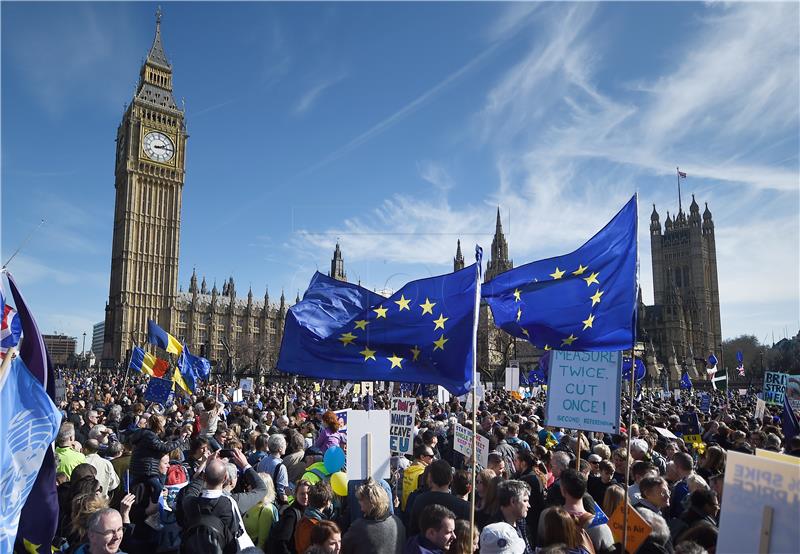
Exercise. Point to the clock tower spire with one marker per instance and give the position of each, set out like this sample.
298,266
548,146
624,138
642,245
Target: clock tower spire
149,177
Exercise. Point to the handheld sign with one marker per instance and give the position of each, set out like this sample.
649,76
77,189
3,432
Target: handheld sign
760,407
463,443
638,528
774,387
584,391
368,453
401,431
246,384
754,485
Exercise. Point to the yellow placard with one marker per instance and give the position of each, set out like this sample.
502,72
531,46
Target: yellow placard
316,387
692,439
777,456
638,528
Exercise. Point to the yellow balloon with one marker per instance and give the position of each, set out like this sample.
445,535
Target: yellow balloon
339,483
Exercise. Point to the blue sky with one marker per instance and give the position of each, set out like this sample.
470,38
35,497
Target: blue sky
399,128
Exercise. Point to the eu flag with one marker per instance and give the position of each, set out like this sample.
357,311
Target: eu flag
584,301
421,334
686,383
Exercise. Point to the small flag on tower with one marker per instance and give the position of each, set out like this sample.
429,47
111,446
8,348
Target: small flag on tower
681,174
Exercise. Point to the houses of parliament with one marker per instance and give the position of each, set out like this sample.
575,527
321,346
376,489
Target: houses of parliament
682,326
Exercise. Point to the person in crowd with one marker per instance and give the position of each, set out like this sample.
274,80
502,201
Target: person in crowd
703,508
467,539
209,493
329,435
272,464
497,464
320,497
684,466
439,477
437,527
655,495
640,470
379,531
501,538
558,464
573,489
619,457
423,456
148,449
259,451
281,538
524,466
68,450
659,540
208,412
107,530
711,462
326,538
513,501
294,460
259,520
108,478
558,527
704,534
614,497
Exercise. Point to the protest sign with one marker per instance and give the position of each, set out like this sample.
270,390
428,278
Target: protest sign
463,443
246,384
692,439
666,433
237,396
401,430
677,394
341,416
760,407
316,387
512,379
776,456
665,395
705,403
346,389
793,391
61,391
753,483
366,387
368,452
357,389
442,395
584,391
774,387
742,392
638,528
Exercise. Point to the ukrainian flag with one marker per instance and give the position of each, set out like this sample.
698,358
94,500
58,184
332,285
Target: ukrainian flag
159,337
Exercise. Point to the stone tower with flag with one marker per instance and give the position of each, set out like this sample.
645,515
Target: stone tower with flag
685,314
149,178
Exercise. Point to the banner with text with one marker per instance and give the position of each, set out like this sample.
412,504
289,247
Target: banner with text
401,430
463,443
584,391
774,387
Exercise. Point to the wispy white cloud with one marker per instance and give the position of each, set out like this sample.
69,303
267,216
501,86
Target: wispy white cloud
310,97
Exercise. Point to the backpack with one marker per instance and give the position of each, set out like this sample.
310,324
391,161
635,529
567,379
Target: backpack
176,474
207,533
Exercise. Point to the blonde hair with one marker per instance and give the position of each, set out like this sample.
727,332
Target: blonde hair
603,451
376,497
83,506
695,482
614,497
269,496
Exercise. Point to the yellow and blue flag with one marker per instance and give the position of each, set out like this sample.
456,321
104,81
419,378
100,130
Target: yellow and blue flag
421,334
159,337
585,300
141,361
193,367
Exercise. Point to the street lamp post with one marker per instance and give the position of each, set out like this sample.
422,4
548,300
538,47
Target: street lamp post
83,351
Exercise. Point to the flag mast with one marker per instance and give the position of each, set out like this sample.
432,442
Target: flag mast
478,259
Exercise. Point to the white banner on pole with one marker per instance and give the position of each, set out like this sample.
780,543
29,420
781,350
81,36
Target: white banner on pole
584,390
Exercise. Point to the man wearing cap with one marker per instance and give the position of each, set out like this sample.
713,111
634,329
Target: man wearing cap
501,538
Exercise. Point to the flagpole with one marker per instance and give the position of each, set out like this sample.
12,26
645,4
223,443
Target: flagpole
478,257
679,189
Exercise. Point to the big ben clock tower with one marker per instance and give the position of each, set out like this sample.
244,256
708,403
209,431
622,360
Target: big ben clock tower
149,175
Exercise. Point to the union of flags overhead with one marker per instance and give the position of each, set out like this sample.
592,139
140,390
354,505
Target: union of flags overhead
424,333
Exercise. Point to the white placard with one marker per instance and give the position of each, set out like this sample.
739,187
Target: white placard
760,407
360,424
238,396
665,395
366,388
666,433
463,443
346,389
61,390
401,430
677,394
751,484
584,390
512,379
246,384
489,385
442,395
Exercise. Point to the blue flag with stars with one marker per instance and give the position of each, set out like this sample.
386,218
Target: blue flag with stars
583,301
421,334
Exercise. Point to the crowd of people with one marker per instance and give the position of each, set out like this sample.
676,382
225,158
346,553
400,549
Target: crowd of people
206,474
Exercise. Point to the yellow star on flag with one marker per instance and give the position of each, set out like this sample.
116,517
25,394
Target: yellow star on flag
580,270
362,324
588,322
557,274
439,344
591,279
519,313
403,303
516,295
396,361
596,297
416,352
30,547
427,307
347,338
368,354
440,322
525,332
381,311
547,347
569,340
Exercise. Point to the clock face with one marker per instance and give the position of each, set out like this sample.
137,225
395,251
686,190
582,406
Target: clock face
158,147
